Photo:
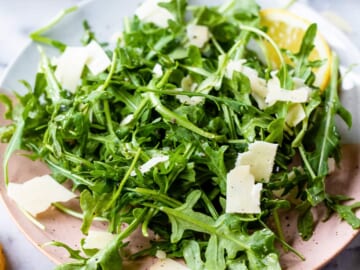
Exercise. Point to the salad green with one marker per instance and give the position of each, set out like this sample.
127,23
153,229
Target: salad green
167,102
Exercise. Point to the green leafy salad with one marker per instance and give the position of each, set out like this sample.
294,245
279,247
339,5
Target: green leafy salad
184,130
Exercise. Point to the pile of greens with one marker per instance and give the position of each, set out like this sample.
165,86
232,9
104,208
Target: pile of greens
82,136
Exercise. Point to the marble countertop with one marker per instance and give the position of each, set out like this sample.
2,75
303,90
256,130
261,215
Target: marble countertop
18,18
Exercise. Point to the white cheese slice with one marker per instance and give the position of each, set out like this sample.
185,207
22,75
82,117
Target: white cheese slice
71,63
233,65
195,100
260,158
168,264
97,60
331,165
258,85
150,12
98,239
160,254
276,93
157,71
147,166
70,66
127,119
37,195
198,35
242,194
295,114
187,84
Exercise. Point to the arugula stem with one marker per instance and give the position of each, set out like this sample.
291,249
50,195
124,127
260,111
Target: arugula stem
196,70
237,141
50,42
273,44
190,148
284,243
144,227
53,22
330,109
181,121
268,38
210,206
53,89
112,71
108,118
140,110
279,228
64,172
127,27
75,214
124,180
157,196
14,144
217,45
228,116
306,162
106,102
132,227
164,79
32,219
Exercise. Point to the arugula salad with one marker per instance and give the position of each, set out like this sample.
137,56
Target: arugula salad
186,130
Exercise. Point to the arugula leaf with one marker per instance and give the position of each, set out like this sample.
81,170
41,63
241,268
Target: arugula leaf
176,7
324,136
15,142
215,162
347,212
305,221
8,104
92,206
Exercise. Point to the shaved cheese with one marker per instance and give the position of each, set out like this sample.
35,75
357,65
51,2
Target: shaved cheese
187,84
147,166
190,100
331,165
242,194
295,114
168,264
157,71
150,12
97,60
98,239
258,85
260,158
233,65
71,63
127,119
198,35
37,194
70,66
160,254
276,93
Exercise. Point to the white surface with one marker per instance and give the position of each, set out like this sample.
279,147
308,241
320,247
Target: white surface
19,17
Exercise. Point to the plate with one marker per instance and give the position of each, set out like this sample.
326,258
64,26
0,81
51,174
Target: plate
329,238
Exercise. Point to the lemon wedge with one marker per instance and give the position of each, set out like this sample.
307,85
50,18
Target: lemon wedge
2,259
287,31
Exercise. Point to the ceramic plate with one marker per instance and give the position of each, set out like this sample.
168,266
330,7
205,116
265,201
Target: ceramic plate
329,238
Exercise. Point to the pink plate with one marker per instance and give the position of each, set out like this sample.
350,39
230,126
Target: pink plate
328,240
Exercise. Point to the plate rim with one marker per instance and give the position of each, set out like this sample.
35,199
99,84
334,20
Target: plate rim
17,58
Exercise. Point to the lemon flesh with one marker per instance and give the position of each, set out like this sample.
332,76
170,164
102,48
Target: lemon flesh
287,31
